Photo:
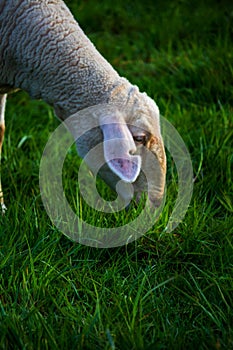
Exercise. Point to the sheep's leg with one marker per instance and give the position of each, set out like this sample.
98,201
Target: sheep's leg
2,130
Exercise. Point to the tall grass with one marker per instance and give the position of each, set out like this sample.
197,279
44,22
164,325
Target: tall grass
164,291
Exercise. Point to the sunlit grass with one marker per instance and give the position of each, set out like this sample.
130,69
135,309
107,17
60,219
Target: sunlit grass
164,291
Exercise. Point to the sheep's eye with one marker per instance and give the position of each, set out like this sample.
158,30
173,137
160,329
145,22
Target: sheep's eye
140,139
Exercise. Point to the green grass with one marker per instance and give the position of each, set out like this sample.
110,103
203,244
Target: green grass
164,291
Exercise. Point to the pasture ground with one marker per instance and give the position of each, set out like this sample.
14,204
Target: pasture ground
164,291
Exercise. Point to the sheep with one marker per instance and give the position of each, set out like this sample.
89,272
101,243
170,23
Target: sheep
44,51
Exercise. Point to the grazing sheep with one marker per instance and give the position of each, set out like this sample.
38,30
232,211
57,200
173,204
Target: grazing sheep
44,52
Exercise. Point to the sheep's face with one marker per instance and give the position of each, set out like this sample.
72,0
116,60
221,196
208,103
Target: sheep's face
138,149
131,148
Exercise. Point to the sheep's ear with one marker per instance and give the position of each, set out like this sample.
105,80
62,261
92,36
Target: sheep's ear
118,147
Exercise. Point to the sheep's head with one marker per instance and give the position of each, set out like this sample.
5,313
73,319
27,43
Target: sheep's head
131,148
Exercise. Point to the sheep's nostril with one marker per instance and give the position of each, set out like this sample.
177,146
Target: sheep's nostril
132,149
